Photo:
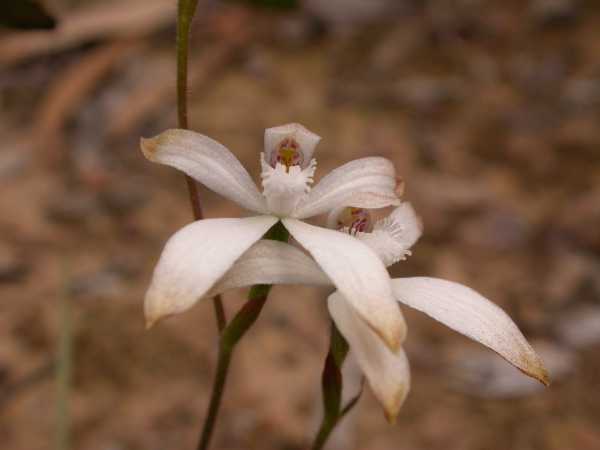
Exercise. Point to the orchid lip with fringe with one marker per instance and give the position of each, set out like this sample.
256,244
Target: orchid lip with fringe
201,254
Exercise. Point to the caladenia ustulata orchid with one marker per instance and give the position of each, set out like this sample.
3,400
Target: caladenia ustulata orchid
457,306
197,261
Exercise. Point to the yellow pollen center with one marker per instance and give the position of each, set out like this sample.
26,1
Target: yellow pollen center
288,154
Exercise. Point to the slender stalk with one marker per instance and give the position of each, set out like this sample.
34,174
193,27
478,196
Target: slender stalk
323,434
332,384
186,10
231,335
185,14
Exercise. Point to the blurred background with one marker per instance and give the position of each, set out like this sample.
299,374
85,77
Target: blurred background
490,110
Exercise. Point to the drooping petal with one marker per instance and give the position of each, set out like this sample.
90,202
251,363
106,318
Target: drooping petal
387,372
362,183
469,313
195,258
271,262
207,161
358,274
393,236
292,134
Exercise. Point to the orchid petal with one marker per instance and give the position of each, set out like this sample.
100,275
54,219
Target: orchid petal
195,258
207,161
393,236
358,274
387,372
469,313
362,183
307,140
271,262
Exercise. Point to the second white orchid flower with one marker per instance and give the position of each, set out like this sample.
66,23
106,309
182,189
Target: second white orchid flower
202,254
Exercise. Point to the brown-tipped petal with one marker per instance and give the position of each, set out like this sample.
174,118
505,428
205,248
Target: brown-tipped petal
469,313
150,322
207,161
387,372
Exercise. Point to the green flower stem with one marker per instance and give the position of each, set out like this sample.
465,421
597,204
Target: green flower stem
231,335
332,384
185,14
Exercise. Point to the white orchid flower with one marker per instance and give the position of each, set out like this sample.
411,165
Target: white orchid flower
457,306
201,254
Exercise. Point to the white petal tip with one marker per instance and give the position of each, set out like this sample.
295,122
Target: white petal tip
394,341
392,406
159,305
392,336
530,364
546,380
148,146
151,320
538,371
391,415
392,331
151,146
395,333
